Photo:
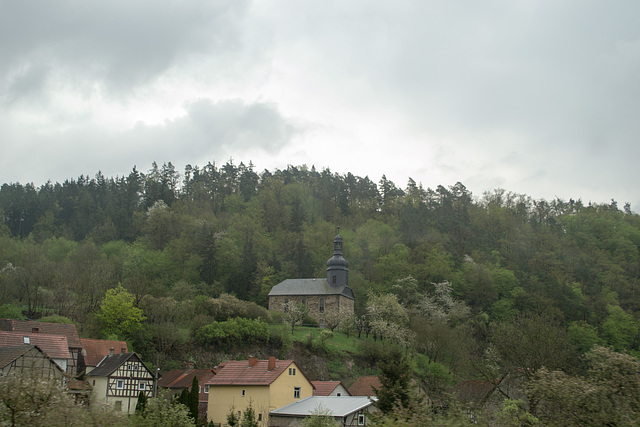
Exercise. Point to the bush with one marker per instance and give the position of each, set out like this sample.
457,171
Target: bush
233,332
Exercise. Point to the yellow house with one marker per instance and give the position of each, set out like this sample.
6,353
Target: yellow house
264,384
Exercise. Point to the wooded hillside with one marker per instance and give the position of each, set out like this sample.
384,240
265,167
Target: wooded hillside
470,272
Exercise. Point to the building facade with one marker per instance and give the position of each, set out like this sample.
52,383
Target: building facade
262,384
324,297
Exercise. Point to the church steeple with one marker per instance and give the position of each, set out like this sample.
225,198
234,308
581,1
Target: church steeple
337,265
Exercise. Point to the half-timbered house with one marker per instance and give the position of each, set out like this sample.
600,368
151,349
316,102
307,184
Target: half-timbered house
118,380
67,330
28,360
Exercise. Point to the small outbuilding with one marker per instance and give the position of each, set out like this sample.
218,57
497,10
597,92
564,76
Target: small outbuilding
346,410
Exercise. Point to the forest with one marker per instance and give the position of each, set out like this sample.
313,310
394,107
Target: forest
477,285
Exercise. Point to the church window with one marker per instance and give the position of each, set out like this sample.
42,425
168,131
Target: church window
286,305
321,305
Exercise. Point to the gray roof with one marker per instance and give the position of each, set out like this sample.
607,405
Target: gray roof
337,406
109,364
309,287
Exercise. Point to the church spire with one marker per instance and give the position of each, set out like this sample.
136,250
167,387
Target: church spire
337,265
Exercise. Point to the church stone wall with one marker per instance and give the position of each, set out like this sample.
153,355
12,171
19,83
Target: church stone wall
332,303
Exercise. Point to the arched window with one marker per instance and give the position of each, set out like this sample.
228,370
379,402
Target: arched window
286,305
321,305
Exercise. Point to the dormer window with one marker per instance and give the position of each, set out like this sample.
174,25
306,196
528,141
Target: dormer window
27,340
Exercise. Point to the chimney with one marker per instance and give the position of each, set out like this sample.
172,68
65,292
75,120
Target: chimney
111,351
190,365
35,330
272,363
252,361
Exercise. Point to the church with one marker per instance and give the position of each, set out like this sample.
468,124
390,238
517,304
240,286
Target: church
321,296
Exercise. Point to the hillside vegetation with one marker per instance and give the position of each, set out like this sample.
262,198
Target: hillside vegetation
474,286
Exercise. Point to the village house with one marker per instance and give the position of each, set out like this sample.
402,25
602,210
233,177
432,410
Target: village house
177,380
118,380
54,346
262,384
365,386
28,360
347,411
323,297
67,330
329,388
94,350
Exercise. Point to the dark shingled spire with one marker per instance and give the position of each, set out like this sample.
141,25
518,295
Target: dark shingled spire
337,265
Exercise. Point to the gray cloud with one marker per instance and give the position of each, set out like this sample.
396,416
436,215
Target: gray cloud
121,44
537,97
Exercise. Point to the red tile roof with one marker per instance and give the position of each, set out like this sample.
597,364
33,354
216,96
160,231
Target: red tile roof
179,378
238,372
67,330
94,350
54,346
363,386
324,388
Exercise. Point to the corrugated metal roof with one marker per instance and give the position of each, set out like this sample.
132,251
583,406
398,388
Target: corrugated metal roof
54,346
337,406
309,287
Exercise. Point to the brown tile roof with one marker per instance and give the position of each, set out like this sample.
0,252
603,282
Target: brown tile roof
94,350
67,330
179,378
238,372
324,388
473,392
363,386
54,346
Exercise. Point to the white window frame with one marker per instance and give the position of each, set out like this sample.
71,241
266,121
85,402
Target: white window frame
296,392
361,419
142,385
206,388
26,340
119,384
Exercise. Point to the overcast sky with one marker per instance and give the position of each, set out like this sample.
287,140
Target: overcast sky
540,97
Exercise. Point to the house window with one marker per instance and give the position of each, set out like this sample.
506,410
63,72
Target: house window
118,405
321,305
243,392
292,371
199,389
135,367
142,385
296,392
206,388
120,384
239,414
259,417
338,394
361,419
27,340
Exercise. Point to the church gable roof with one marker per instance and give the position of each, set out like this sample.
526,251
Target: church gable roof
309,287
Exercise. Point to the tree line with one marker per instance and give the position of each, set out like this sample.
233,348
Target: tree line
458,277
